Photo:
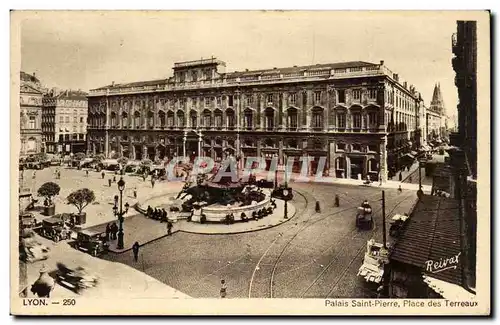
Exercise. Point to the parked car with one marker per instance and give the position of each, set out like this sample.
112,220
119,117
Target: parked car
75,278
55,228
92,240
27,221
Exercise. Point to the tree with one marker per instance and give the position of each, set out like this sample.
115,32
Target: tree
49,190
81,198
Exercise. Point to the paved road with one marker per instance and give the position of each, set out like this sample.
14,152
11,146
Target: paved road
314,255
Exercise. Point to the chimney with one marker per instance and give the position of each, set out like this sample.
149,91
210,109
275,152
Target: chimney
112,83
406,84
381,62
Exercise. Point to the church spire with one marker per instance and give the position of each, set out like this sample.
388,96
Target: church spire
437,103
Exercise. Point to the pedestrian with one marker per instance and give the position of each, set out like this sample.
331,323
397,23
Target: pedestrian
410,179
337,200
149,212
103,174
108,232
400,177
223,289
144,177
169,227
87,173
400,189
114,179
109,182
114,230
152,183
135,249
135,192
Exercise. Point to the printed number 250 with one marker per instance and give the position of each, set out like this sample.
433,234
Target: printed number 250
69,302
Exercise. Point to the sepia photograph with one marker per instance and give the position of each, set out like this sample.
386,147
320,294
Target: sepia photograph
250,162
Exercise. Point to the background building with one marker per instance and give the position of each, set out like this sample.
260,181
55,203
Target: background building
356,114
436,117
65,121
30,100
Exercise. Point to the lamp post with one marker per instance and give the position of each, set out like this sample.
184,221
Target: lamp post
285,195
119,212
184,144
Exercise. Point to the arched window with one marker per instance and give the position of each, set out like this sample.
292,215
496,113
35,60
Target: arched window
180,119
194,119
113,119
292,121
137,119
317,119
218,118
248,121
269,118
231,120
151,120
207,118
125,119
161,115
170,119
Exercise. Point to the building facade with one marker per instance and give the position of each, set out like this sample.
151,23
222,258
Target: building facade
64,121
355,114
30,100
464,143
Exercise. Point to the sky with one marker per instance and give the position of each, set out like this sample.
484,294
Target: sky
86,50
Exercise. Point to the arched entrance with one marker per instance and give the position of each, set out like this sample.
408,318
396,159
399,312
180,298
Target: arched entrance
340,167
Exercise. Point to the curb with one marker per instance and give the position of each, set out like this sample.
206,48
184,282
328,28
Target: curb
240,232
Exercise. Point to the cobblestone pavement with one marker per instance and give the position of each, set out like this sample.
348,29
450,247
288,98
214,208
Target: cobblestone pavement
313,255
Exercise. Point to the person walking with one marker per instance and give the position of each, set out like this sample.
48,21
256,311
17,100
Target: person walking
87,173
135,249
152,182
169,227
223,288
109,182
135,193
400,177
114,179
108,232
103,174
114,230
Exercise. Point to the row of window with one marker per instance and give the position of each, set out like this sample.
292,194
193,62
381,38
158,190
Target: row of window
342,147
66,119
270,99
357,120
71,137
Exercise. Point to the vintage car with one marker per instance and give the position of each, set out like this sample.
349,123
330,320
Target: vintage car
75,278
27,221
364,218
55,228
279,193
92,240
30,250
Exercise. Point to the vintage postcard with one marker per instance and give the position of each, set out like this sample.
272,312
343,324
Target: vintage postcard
250,163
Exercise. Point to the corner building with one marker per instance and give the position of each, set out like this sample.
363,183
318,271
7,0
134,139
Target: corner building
355,114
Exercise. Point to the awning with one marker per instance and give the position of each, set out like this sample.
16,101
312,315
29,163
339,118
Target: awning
449,290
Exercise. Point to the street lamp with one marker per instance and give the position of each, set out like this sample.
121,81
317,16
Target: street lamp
118,212
285,195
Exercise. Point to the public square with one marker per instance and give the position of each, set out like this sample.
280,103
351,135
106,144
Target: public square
312,254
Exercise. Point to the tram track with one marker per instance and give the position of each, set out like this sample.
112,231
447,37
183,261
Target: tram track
363,247
306,224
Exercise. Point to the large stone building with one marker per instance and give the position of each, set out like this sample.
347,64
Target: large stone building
30,101
357,115
64,121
